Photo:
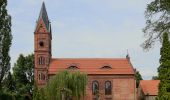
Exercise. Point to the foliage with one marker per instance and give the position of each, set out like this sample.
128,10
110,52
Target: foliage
7,91
24,76
64,85
155,78
5,41
6,96
138,78
35,91
164,70
157,21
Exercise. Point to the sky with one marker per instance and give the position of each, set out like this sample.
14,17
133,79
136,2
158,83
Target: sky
86,29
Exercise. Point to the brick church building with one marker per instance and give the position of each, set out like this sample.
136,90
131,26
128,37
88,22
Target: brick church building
113,77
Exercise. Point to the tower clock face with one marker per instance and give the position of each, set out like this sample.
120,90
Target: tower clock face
41,44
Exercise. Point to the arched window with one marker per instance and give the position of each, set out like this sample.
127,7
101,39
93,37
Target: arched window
108,88
95,87
41,61
41,76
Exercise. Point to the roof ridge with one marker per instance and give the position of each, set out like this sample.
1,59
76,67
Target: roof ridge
148,80
90,58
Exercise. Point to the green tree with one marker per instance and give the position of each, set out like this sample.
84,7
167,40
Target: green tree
157,21
138,78
7,91
5,41
164,69
9,83
64,85
155,78
23,74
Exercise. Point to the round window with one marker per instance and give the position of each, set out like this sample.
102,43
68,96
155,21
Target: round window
41,44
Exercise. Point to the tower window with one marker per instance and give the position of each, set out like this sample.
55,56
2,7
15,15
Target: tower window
95,87
41,43
41,61
41,76
108,88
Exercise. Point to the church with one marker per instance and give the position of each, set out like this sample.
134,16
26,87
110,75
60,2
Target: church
114,78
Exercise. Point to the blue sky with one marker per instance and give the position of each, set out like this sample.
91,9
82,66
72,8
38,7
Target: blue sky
86,29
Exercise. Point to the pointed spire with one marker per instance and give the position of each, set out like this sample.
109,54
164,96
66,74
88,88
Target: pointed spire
43,11
43,15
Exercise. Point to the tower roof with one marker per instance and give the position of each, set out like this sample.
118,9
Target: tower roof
44,16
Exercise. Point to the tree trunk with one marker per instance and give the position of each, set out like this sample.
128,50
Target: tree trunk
62,96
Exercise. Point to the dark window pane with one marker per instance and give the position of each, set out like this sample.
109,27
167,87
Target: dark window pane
95,87
41,44
42,76
39,76
108,88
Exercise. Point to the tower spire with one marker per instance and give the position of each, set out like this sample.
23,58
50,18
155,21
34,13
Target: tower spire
43,11
44,16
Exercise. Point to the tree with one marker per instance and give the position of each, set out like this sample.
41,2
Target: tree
23,74
157,21
5,41
155,78
164,69
9,83
138,78
7,91
64,85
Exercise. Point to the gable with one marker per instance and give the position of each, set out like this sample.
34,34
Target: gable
41,28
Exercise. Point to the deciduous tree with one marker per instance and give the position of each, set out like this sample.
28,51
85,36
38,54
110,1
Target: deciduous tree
23,74
64,85
157,21
154,77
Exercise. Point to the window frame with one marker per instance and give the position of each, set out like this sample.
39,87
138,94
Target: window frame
41,60
94,91
41,76
108,91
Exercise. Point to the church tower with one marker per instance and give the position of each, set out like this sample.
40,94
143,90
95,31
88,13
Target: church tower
42,47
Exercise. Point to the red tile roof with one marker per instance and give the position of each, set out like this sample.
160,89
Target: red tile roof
149,87
93,65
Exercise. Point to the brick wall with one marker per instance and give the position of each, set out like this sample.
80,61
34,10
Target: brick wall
123,87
